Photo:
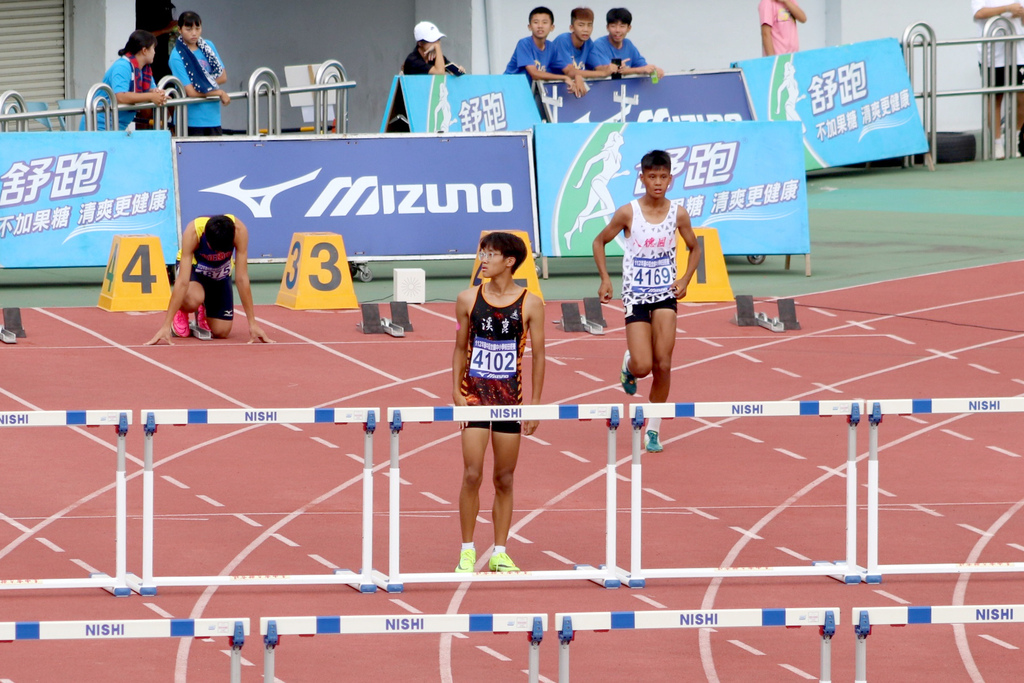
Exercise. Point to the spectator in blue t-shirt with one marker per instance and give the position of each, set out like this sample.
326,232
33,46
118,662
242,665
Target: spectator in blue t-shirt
533,55
616,54
196,63
573,49
131,79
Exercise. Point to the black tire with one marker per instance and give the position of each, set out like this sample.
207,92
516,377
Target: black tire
756,260
955,148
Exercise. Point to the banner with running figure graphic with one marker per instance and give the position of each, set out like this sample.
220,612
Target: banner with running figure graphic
855,103
468,104
64,195
746,179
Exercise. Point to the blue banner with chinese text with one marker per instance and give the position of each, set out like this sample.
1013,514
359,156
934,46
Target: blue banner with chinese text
64,195
746,179
468,104
854,102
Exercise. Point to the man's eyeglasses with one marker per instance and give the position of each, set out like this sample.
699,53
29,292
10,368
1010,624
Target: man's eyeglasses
488,255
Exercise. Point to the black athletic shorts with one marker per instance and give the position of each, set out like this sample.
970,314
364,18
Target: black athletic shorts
500,426
220,300
1000,76
641,313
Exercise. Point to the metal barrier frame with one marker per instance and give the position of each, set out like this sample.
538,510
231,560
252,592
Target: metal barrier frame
272,628
825,618
367,417
607,574
120,420
936,406
864,618
847,571
119,629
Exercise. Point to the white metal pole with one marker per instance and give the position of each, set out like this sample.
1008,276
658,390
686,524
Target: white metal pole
394,490
367,569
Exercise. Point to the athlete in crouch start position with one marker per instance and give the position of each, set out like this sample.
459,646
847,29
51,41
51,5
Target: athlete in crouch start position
650,286
493,320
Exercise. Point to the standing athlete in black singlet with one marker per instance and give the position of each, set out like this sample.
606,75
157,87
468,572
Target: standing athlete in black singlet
490,340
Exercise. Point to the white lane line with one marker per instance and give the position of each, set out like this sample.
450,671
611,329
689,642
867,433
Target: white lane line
984,369
555,361
589,376
406,606
822,312
956,434
799,672
997,449
698,511
209,500
661,495
747,437
827,387
15,523
287,541
427,393
744,356
534,439
833,471
709,342
790,454
159,610
653,603
173,481
861,325
927,511
358,458
50,544
324,442
1000,643
1018,381
324,561
574,456
1016,546
786,372
974,529
743,531
883,492
248,520
244,661
901,340
85,565
895,598
436,499
553,554
521,539
915,419
497,655
936,352
743,646
481,520
793,553
387,473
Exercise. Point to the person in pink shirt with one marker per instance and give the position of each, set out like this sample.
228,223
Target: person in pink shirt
778,26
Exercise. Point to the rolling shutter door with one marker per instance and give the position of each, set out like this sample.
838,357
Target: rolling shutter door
32,49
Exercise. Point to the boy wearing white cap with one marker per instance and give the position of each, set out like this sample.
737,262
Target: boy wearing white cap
427,58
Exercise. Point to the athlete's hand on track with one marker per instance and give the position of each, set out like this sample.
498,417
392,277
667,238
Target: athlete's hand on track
163,335
256,334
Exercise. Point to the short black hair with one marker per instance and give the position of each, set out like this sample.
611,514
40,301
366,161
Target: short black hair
220,233
656,158
542,10
189,19
616,14
508,244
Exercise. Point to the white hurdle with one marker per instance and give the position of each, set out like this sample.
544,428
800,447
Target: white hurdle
864,618
847,571
936,406
367,417
569,623
272,628
606,574
118,629
120,420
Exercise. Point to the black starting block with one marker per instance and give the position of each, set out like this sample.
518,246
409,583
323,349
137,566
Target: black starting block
572,321
396,326
746,317
11,330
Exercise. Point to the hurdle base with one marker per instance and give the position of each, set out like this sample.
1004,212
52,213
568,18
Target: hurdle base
116,591
637,583
873,578
135,583
845,577
381,580
361,587
606,581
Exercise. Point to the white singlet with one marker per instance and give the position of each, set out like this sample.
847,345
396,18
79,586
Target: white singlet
649,258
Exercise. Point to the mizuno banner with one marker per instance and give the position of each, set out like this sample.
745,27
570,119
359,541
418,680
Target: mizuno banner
65,195
707,96
854,102
745,179
467,104
389,195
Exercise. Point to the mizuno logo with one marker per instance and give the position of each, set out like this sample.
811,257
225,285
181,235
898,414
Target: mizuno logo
260,209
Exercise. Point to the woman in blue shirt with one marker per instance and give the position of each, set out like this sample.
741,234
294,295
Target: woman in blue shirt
131,78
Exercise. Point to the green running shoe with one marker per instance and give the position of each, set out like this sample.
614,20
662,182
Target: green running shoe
501,562
467,561
651,443
626,377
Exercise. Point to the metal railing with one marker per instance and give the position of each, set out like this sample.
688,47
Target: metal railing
998,30
262,96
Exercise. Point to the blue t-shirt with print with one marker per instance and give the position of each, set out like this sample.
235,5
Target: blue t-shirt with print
603,52
528,53
567,53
